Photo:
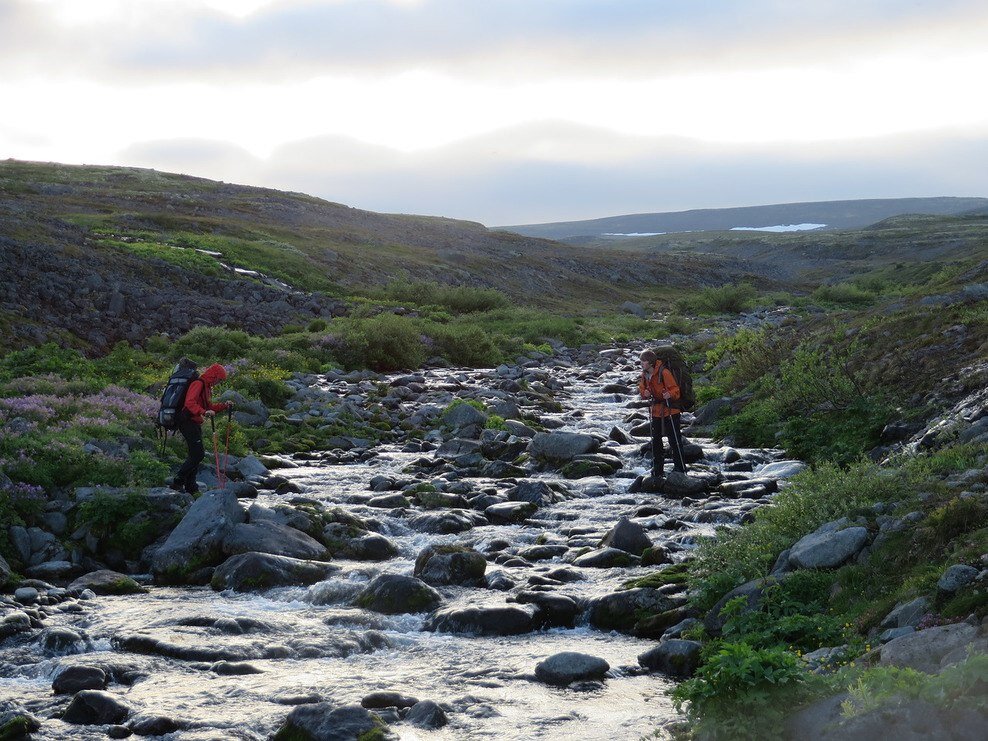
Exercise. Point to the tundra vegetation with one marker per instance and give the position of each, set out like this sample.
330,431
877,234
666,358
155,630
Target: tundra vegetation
855,353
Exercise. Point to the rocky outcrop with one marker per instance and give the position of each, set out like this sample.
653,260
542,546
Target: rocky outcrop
198,540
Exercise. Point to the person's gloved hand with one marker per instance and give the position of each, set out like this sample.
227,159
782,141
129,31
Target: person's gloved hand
209,413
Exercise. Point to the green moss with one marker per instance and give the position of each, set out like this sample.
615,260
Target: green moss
18,727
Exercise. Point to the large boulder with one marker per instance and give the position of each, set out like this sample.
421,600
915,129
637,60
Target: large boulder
105,581
74,679
676,657
507,513
924,650
570,666
606,558
622,610
956,578
827,548
450,564
556,448
907,614
627,536
96,708
198,540
484,620
426,714
5,572
393,594
254,572
322,721
267,536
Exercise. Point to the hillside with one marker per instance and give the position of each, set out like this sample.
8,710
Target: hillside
832,214
109,253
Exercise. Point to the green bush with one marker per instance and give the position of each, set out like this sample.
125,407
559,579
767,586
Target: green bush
115,516
465,345
211,345
317,325
844,294
384,343
456,299
742,692
727,299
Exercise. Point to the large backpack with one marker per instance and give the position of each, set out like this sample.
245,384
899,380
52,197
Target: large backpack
673,360
173,397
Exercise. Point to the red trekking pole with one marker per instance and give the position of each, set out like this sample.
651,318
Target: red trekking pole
226,449
216,454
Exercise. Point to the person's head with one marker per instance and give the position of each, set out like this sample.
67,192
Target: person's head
213,374
648,359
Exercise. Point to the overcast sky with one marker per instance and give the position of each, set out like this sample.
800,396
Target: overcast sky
510,111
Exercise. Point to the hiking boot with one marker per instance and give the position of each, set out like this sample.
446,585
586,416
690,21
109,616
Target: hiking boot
177,485
193,490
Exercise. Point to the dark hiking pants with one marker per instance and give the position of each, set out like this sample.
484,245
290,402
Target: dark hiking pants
193,439
667,427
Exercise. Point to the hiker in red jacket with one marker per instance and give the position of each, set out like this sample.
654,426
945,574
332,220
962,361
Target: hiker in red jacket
198,406
658,384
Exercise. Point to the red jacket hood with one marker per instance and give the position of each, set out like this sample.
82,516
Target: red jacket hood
213,374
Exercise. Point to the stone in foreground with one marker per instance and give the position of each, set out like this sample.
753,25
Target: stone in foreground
570,666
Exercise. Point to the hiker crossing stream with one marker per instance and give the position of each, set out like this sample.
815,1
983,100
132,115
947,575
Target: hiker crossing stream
516,574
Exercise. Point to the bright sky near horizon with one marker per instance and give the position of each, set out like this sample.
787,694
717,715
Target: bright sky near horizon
510,111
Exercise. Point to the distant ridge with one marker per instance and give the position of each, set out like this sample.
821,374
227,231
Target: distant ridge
835,214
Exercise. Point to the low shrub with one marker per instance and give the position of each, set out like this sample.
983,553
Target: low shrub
726,299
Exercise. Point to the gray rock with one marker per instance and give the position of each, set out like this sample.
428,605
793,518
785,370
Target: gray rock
76,678
426,714
442,565
105,581
389,501
383,699
51,570
956,578
570,666
274,538
61,642
463,417
393,594
627,536
892,633
250,467
606,558
519,429
630,307
254,572
675,657
679,484
560,447
198,539
622,610
148,724
536,492
711,411
508,513
484,620
322,722
827,549
26,595
95,707
907,614
924,649
371,547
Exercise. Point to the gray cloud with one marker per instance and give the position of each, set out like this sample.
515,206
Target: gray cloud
507,38
484,179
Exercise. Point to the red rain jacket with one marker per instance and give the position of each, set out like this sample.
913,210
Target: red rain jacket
197,399
662,380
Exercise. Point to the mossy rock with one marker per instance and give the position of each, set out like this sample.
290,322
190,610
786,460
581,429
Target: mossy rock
19,727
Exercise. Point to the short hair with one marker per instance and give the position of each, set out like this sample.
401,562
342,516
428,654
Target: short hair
650,356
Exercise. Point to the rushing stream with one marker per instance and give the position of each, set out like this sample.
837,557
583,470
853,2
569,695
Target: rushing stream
311,644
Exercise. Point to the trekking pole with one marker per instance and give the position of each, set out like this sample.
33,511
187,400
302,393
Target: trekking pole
216,454
679,439
226,449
